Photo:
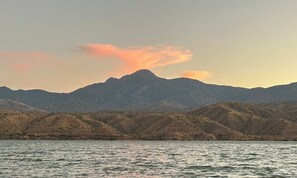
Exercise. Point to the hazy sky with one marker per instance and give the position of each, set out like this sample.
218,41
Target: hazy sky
63,45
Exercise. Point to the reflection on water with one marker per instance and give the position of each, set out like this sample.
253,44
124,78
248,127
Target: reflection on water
147,159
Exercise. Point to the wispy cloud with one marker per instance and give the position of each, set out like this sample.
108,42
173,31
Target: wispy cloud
23,61
33,54
199,75
135,58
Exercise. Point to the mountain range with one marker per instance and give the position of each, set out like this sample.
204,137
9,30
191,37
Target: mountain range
145,91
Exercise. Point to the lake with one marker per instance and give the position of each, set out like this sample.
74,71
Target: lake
147,159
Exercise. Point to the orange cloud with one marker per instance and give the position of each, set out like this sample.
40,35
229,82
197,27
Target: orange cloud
136,58
199,75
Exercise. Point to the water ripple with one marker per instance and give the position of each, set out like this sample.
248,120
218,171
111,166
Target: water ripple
147,159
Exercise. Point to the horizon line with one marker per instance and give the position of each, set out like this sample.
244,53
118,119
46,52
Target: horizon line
67,92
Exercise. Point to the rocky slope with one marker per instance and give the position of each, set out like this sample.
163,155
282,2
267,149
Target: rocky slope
6,104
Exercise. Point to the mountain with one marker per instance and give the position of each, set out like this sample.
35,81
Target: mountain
6,104
145,91
222,121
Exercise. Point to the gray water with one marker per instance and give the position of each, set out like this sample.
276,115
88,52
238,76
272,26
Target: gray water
147,159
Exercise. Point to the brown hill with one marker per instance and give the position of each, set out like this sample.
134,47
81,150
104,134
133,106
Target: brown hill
106,125
268,120
224,121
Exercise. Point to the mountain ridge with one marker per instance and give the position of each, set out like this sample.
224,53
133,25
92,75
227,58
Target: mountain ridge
143,90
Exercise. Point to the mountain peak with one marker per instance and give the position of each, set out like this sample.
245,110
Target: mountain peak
142,74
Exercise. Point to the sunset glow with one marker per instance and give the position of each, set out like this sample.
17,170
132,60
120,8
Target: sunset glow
199,75
74,43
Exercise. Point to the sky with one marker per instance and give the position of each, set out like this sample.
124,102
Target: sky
60,46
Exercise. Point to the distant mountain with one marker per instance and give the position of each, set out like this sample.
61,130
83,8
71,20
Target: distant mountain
6,104
144,91
222,121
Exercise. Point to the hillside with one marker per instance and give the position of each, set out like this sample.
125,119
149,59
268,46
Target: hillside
6,104
223,121
258,120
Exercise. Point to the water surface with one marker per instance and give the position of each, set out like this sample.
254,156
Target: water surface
147,159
